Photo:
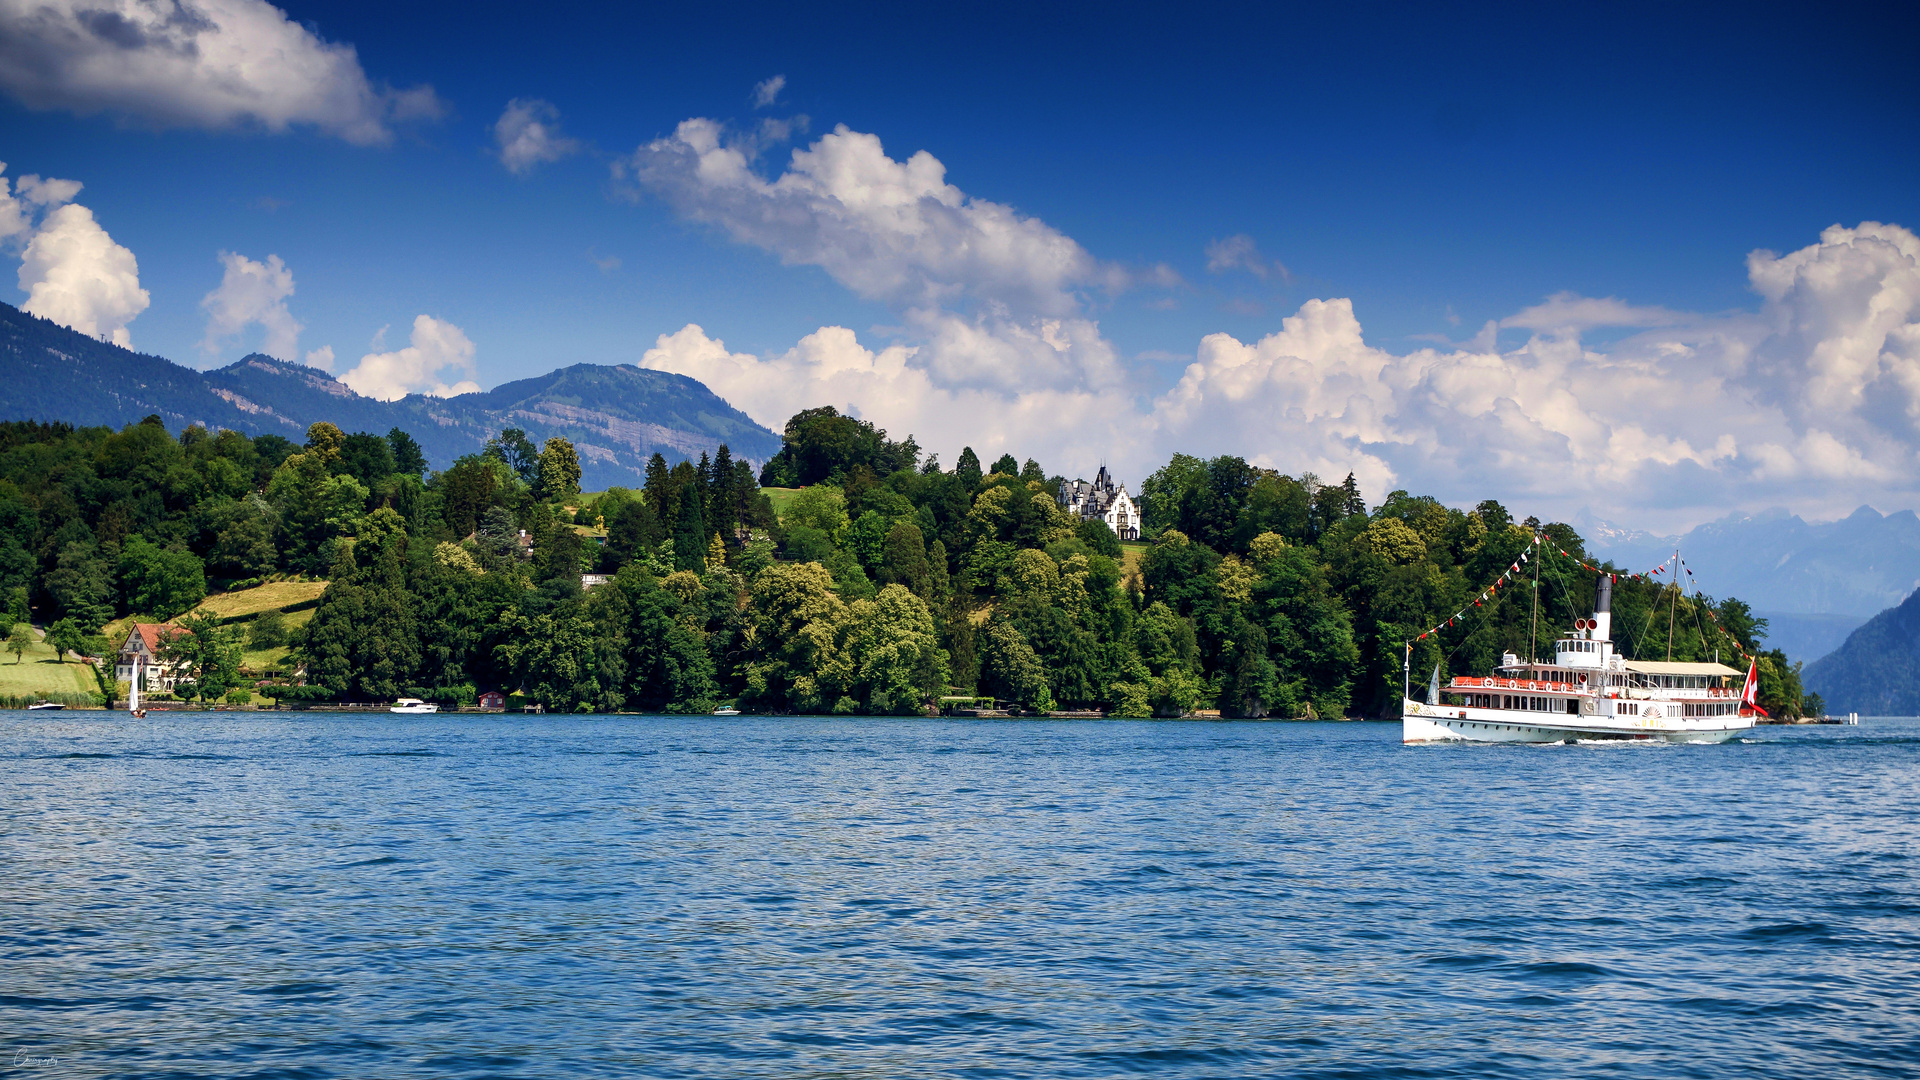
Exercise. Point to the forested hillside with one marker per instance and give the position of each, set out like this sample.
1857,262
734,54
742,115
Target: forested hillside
1876,672
886,581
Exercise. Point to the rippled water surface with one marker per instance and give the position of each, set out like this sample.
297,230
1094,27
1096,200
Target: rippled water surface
275,895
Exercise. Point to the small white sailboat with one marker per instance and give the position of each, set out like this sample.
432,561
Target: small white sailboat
414,705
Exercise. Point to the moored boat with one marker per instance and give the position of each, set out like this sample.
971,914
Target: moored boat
414,705
44,705
1589,692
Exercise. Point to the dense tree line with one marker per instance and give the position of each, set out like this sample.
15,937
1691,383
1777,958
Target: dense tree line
884,583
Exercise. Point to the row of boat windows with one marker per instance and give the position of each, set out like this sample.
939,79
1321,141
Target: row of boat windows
1676,682
1643,682
1516,701
1703,708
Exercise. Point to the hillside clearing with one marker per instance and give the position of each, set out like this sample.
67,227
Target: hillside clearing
36,675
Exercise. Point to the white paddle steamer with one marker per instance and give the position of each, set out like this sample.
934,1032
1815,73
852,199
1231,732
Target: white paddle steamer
1588,693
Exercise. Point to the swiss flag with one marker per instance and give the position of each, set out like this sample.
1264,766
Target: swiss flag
1750,694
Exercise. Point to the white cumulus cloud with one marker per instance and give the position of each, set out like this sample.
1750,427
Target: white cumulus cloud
767,92
528,134
434,349
831,367
321,358
893,231
1812,402
72,271
195,63
252,292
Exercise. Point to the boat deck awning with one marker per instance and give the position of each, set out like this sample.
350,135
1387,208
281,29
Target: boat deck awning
1670,667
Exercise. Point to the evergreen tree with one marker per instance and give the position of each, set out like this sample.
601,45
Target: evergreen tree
903,561
408,459
967,468
1350,496
658,487
1005,465
689,532
723,503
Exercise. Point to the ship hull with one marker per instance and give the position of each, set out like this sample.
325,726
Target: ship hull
1439,724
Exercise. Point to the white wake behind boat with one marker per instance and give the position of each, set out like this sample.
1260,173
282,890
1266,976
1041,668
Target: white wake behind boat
1588,693
414,705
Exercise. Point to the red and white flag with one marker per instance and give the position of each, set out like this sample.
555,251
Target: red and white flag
1749,696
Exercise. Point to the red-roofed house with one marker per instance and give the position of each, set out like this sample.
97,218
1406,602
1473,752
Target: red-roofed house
143,642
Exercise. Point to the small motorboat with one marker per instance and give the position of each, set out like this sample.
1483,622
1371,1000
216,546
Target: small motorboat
414,705
726,710
37,706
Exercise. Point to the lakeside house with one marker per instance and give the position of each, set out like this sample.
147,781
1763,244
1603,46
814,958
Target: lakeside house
143,643
1105,500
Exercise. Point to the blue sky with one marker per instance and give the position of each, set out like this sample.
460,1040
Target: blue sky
1438,170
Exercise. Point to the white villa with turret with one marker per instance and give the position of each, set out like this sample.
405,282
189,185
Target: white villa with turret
1105,500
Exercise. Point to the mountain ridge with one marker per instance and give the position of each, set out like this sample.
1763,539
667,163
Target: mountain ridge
1780,563
617,416
1876,672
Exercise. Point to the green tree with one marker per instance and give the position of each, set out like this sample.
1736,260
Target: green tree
867,539
690,533
966,468
822,507
363,642
1098,536
818,444
158,582
315,507
556,661
1010,670
891,660
243,546
64,637
903,561
723,498
797,618
267,631
408,459
518,452
19,640
204,655
366,458
558,471
659,489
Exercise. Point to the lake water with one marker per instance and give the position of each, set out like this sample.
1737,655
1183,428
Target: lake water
276,895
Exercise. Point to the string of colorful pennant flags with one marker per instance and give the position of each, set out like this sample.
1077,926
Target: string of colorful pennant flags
1492,591
1486,594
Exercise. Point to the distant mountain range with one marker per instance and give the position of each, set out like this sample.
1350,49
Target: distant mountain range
1786,568
1877,671
617,417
